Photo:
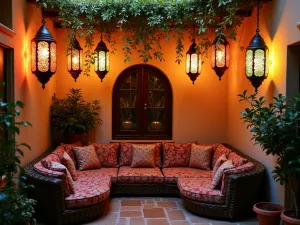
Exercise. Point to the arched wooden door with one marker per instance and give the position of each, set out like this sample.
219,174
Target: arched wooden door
142,105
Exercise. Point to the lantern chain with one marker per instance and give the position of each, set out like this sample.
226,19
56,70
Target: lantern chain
259,5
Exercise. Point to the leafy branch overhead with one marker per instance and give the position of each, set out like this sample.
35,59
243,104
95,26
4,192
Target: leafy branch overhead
147,24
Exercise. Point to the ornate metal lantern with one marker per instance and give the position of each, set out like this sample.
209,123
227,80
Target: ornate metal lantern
257,55
75,60
193,62
220,57
101,59
43,55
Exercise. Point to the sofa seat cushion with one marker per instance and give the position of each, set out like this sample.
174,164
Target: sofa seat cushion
39,168
172,174
140,175
112,172
199,189
89,191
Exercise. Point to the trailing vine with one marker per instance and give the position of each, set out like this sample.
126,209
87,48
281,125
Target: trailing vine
146,24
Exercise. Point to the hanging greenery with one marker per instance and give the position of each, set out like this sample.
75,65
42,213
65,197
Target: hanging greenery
146,24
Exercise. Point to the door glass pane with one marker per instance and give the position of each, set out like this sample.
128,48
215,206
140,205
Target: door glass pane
128,94
156,104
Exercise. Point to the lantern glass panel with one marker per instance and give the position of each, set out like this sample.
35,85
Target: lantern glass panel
33,56
81,60
102,61
43,56
267,62
75,59
107,61
249,63
259,63
220,59
194,63
199,63
69,60
187,63
96,61
53,57
213,56
227,55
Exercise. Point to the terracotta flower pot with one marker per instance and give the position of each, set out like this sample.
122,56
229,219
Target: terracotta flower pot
268,213
288,216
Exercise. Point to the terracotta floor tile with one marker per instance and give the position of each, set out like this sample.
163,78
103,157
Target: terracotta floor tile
122,221
154,213
150,201
180,223
157,222
167,204
200,220
150,206
137,221
176,215
130,214
131,208
131,203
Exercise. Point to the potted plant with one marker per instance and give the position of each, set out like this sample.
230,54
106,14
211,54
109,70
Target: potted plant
275,127
74,116
15,206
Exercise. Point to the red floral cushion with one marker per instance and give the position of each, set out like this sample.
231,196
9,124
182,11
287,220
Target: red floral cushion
236,159
220,150
176,155
89,191
126,152
49,159
68,162
69,149
59,151
201,156
208,145
217,178
172,174
86,157
39,168
237,170
107,154
199,189
140,175
143,156
219,162
111,172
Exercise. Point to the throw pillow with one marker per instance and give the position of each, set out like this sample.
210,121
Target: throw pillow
68,162
219,162
107,154
201,157
236,159
220,150
69,189
143,156
49,159
217,178
69,149
86,157
176,155
59,151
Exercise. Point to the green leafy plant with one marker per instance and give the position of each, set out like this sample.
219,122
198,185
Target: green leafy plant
74,115
147,24
15,206
275,127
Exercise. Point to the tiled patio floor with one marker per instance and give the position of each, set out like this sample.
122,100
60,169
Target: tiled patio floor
155,211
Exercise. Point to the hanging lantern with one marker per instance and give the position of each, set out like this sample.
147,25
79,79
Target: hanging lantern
43,55
257,55
220,57
75,60
193,62
101,59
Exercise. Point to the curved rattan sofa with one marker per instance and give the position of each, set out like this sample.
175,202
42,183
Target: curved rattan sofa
50,207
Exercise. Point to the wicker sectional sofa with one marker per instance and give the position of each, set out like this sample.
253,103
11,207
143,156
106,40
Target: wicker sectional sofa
94,187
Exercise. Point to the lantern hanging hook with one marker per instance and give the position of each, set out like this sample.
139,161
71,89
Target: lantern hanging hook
259,5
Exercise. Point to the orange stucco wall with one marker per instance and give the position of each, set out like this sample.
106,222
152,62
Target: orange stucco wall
278,28
26,21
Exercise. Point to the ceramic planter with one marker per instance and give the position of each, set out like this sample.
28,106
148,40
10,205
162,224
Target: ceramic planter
156,125
127,124
286,216
268,213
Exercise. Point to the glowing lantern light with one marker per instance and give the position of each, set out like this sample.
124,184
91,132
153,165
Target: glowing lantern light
101,59
75,60
220,57
193,62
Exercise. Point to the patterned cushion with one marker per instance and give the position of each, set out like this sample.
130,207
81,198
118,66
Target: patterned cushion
89,191
140,175
172,174
217,178
208,145
59,151
236,159
69,187
68,162
199,189
241,169
86,157
176,155
143,156
39,168
126,154
49,159
220,150
219,162
112,172
107,154
69,149
201,157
